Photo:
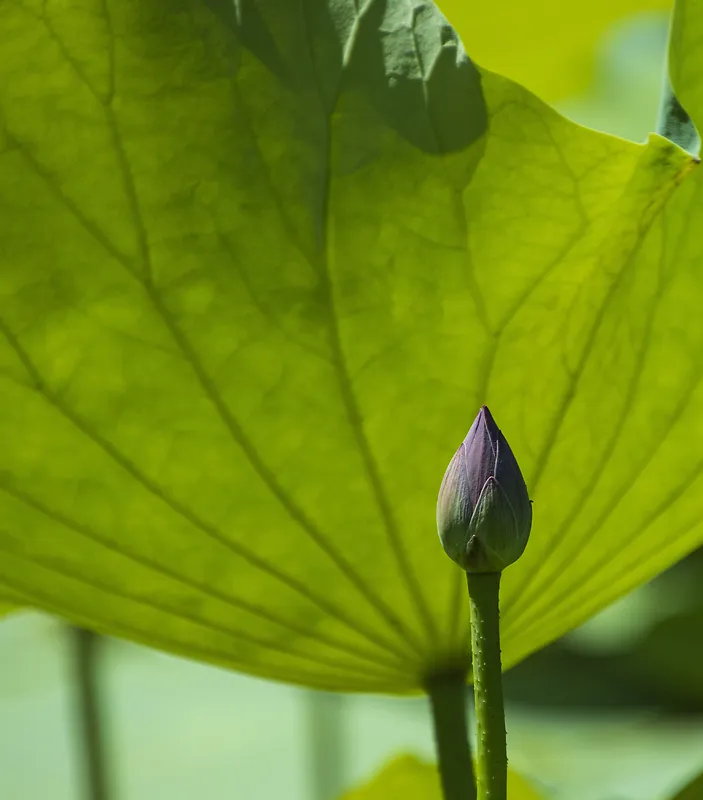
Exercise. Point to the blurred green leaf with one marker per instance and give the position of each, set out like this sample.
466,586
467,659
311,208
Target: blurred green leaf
408,778
550,47
256,282
667,661
9,602
692,790
685,59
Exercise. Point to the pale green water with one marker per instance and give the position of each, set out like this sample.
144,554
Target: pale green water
179,730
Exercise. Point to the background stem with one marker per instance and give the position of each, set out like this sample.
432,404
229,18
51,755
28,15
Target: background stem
85,647
325,738
492,759
447,693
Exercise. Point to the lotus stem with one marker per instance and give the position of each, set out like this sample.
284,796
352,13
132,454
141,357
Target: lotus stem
447,693
88,715
492,759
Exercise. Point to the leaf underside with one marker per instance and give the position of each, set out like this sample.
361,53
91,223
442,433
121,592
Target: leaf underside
260,266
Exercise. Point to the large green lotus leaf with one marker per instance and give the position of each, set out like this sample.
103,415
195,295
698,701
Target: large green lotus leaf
259,270
550,46
408,778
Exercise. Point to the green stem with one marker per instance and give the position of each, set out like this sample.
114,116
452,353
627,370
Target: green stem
325,723
447,693
492,759
85,646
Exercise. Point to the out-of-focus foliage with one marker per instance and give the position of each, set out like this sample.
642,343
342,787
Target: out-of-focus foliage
685,60
667,661
408,778
259,273
548,46
692,790
9,602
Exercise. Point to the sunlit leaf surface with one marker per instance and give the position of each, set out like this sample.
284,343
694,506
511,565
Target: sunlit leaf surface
551,47
408,778
259,272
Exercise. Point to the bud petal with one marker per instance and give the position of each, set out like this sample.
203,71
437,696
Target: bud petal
480,453
484,514
495,542
510,478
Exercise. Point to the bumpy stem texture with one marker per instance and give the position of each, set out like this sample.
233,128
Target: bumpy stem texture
447,693
492,760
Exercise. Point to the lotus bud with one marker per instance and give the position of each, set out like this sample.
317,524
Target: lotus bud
484,513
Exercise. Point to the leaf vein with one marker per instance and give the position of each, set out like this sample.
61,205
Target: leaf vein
207,590
347,391
152,639
182,510
223,411
597,473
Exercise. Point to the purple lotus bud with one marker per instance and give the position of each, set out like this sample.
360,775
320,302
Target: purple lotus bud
484,514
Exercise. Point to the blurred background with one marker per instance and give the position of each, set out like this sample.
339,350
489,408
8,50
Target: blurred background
613,711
